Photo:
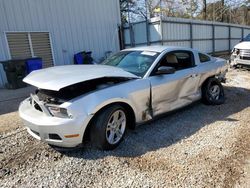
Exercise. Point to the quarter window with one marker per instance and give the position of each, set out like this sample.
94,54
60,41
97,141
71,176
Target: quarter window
204,58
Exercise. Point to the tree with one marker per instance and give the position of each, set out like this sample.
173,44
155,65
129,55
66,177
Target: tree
126,7
133,10
231,11
191,7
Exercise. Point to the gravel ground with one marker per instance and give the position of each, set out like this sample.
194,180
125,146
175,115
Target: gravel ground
198,146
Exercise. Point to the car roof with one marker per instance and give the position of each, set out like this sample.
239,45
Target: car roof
157,48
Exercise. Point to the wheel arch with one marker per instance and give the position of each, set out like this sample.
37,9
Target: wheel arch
129,111
204,90
206,80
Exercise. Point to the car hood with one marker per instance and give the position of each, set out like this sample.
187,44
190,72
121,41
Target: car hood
243,46
58,77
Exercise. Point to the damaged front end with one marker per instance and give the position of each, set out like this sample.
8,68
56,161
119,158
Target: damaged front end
60,117
49,101
45,106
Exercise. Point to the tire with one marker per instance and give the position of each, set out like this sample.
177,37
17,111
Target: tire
213,92
106,125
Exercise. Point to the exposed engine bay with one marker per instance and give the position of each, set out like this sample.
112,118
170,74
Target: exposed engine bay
78,89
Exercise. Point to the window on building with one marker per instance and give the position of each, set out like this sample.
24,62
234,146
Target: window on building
204,58
30,44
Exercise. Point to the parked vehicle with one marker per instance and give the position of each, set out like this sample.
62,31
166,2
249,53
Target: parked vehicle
73,102
241,53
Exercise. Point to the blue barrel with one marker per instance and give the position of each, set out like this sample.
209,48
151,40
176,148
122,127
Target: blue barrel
33,64
83,58
78,58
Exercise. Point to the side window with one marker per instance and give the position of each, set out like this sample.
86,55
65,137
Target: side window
204,58
185,59
178,59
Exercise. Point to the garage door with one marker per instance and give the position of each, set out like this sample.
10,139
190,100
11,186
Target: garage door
30,44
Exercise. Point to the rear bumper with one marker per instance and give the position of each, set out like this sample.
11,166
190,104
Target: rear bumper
53,130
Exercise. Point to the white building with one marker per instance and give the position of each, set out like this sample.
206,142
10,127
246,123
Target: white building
57,29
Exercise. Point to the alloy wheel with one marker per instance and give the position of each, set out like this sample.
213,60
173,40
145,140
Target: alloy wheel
116,127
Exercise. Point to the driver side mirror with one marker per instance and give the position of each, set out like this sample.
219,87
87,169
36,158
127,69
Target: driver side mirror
165,70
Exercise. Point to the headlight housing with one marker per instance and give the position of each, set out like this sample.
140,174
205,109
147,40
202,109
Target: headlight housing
236,51
58,112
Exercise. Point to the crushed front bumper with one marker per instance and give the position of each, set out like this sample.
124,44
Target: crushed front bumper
62,132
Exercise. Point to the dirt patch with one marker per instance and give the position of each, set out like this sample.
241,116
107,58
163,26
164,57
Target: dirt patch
234,165
9,122
239,176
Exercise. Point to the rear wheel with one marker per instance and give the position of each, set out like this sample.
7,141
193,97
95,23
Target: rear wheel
213,92
108,129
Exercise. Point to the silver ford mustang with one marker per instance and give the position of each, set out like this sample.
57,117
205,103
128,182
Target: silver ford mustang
99,102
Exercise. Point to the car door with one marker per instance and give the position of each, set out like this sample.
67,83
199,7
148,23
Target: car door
172,91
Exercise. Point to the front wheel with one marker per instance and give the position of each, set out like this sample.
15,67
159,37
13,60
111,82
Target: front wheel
108,129
213,92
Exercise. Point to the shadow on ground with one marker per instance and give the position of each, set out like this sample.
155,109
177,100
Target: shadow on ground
10,99
171,128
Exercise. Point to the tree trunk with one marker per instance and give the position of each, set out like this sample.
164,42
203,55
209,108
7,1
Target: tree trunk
222,8
204,9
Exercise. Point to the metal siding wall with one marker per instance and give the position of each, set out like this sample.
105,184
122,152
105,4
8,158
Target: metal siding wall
221,32
184,43
140,35
173,31
140,32
2,80
234,42
127,39
221,45
235,32
246,32
155,32
205,46
4,54
73,25
176,31
202,31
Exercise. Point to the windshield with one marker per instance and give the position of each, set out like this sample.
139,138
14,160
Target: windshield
247,38
135,62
